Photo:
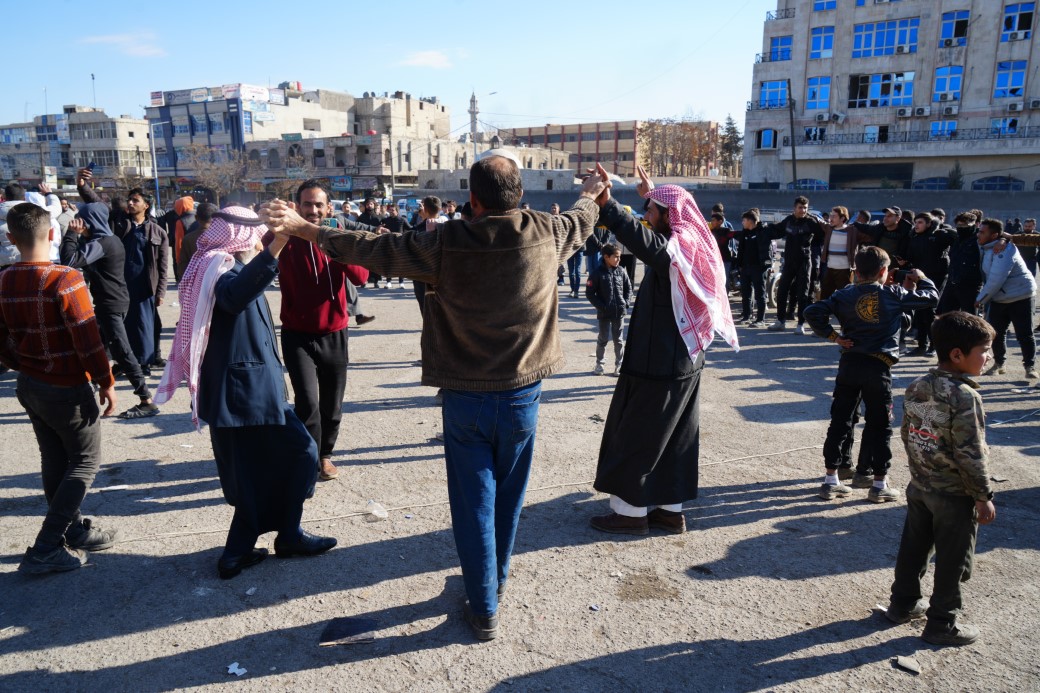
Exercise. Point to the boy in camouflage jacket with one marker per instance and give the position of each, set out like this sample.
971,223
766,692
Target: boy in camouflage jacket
949,494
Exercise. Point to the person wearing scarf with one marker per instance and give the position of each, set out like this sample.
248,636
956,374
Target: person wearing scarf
224,349
648,457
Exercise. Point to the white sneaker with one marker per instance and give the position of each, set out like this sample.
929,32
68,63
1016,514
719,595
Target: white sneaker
400,285
805,329
598,370
1031,374
778,326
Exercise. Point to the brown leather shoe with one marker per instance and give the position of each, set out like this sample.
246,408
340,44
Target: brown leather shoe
620,524
668,520
327,470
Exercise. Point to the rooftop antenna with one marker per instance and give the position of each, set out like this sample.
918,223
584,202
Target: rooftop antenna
93,89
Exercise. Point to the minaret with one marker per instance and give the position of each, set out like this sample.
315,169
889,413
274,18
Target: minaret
473,111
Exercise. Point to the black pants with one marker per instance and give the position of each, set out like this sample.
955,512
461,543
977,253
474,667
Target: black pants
793,287
420,295
1020,315
317,366
158,334
861,376
113,333
947,526
752,280
67,424
958,297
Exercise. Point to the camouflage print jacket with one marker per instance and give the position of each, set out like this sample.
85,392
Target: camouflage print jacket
944,432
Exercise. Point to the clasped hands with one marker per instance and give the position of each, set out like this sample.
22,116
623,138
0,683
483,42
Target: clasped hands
282,218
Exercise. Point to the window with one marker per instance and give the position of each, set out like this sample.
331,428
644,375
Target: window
180,126
885,38
948,83
875,134
954,29
553,139
765,139
216,122
1011,78
999,183
822,42
773,94
274,159
198,125
818,93
588,136
810,184
937,183
1018,21
861,3
821,5
881,90
780,48
626,135
572,137
606,134
814,134
1003,126
943,129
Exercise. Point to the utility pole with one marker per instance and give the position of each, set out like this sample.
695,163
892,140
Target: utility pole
794,151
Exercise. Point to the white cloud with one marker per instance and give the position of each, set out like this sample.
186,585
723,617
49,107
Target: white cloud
434,59
139,45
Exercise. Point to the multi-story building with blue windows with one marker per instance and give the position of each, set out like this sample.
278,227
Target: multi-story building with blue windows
896,93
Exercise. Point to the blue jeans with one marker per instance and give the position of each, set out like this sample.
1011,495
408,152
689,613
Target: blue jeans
591,262
488,446
574,270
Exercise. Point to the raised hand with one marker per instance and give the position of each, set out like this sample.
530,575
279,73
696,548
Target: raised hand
645,185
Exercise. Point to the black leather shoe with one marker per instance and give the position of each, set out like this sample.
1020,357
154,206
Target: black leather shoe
306,545
228,568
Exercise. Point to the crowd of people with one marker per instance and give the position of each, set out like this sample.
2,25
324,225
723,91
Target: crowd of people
68,307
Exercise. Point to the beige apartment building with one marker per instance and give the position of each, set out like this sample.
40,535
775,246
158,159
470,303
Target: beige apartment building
896,93
615,144
53,146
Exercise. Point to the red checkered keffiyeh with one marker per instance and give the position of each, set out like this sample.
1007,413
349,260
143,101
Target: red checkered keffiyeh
699,299
215,256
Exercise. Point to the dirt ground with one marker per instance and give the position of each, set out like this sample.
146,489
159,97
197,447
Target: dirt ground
770,589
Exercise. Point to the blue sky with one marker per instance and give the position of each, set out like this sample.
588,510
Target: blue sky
545,61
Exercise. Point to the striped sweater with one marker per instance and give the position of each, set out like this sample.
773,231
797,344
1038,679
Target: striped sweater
47,325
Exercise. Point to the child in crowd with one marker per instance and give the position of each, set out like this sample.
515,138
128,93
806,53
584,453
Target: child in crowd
609,289
870,314
944,431
48,333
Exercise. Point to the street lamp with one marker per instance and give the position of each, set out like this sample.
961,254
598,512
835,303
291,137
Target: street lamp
155,162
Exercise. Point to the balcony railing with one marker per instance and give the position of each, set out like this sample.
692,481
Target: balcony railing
766,104
780,14
776,56
968,134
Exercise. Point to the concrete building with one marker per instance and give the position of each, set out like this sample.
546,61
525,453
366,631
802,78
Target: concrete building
896,94
53,146
614,144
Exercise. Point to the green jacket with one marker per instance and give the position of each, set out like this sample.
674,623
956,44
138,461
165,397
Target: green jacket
944,432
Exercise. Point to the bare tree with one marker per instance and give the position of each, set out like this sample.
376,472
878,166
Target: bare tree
222,171
297,170
673,147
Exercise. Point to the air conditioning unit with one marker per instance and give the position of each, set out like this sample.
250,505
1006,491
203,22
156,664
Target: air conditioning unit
1034,103
880,2
950,110
949,43
923,111
945,96
838,118
904,112
823,117
1015,107
1016,35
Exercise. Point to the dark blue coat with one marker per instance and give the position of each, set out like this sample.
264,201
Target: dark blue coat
241,383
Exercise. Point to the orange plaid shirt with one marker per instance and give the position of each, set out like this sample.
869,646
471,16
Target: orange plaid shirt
47,325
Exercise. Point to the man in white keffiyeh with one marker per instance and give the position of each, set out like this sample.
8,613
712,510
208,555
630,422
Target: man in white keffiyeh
648,458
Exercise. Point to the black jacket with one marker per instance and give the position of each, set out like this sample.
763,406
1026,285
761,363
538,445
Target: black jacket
654,349
369,219
871,315
396,224
929,252
754,248
965,259
596,240
892,242
101,258
800,235
609,289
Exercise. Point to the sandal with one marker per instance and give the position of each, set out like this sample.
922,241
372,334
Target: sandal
140,411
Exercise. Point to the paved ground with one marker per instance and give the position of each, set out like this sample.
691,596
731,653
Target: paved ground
771,589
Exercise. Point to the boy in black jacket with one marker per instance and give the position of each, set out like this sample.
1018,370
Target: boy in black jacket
870,314
609,289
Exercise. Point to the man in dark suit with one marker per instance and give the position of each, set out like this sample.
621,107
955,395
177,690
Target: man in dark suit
266,458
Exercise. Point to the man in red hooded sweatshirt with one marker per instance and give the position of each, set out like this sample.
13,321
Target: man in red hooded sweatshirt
314,326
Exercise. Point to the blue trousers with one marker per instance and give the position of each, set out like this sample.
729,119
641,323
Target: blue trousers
488,447
574,270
